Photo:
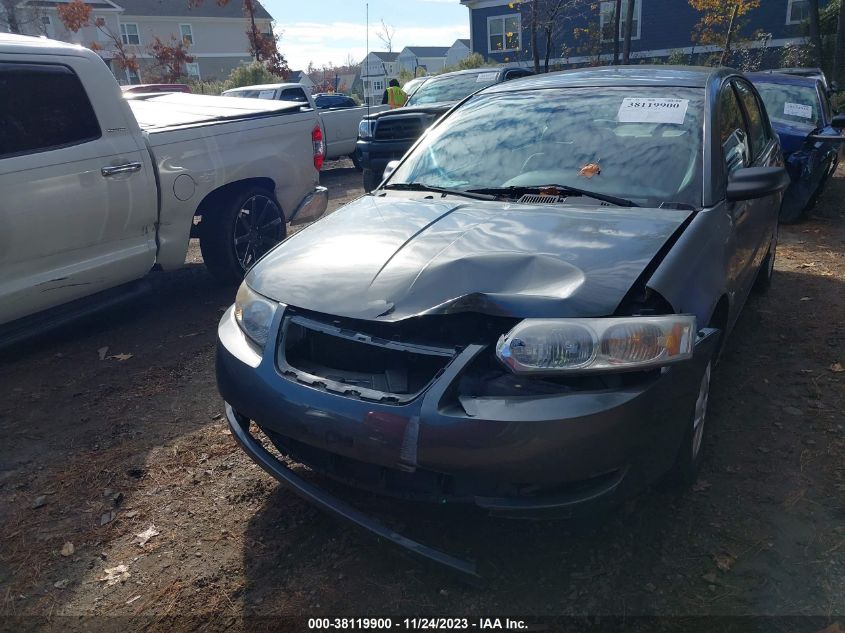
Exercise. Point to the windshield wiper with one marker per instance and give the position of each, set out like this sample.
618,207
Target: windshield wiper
418,186
560,189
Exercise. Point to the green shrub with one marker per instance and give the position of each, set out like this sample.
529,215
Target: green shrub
251,74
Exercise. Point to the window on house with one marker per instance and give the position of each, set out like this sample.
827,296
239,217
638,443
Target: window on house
187,34
129,33
43,107
797,11
132,77
504,33
607,19
378,86
47,26
193,70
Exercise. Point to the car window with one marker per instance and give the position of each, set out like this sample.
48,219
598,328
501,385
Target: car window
827,109
791,104
294,94
756,120
733,135
453,88
641,143
43,107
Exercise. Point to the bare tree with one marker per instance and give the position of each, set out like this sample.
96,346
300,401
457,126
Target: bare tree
385,34
548,17
815,32
839,56
617,15
626,36
16,16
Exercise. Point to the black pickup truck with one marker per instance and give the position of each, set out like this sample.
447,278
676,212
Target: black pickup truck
386,136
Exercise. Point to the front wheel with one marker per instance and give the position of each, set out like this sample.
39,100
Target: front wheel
688,460
371,180
247,225
356,161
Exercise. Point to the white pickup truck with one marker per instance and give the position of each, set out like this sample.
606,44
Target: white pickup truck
340,124
97,190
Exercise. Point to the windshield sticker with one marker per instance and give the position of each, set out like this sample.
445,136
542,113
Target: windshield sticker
486,78
589,170
266,94
796,109
653,110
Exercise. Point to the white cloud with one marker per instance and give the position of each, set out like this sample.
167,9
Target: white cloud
324,43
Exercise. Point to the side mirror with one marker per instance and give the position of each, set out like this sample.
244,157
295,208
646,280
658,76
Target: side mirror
391,167
838,121
756,182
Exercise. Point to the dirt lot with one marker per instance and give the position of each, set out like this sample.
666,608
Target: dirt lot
113,429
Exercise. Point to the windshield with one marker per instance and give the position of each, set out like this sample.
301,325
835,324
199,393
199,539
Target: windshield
643,144
452,88
791,104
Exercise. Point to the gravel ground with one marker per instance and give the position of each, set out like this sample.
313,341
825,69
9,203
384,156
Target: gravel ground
122,492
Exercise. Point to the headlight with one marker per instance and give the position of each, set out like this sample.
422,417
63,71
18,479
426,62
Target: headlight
254,314
549,346
365,128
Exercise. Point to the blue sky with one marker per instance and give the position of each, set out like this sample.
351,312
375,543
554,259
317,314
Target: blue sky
324,31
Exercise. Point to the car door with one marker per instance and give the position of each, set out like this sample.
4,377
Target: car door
79,202
829,150
763,212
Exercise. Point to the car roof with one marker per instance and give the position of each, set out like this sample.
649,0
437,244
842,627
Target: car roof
643,75
469,71
775,77
265,87
13,43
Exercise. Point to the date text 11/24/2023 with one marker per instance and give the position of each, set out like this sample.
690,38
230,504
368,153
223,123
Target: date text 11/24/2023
417,624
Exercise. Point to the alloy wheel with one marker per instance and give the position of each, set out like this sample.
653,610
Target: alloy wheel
258,228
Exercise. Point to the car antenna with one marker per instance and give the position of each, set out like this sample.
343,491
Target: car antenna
366,63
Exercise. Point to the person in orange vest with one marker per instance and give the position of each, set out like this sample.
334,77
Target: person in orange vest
394,96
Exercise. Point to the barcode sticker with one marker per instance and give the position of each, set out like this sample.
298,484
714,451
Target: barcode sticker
266,94
486,78
653,110
796,109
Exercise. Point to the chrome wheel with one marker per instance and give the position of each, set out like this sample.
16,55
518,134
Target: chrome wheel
700,413
259,226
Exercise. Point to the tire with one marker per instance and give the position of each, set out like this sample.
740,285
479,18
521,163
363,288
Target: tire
355,161
811,203
763,281
371,180
688,460
247,224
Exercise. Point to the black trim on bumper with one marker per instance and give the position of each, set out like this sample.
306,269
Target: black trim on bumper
239,426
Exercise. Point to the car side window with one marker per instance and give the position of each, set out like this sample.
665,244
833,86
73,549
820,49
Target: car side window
294,94
43,106
756,119
827,109
733,134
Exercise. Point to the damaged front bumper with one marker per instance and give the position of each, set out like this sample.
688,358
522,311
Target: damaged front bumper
551,455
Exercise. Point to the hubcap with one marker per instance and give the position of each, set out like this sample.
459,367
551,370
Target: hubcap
700,413
258,228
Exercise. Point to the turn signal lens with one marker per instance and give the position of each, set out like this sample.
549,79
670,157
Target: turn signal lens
548,346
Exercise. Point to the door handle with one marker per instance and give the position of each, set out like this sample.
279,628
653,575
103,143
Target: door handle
128,168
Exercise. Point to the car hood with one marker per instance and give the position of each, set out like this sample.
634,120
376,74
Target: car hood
392,257
431,108
792,135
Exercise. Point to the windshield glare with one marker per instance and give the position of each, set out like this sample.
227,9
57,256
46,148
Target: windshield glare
791,104
452,88
644,144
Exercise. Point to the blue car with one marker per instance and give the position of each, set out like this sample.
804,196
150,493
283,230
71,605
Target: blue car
810,135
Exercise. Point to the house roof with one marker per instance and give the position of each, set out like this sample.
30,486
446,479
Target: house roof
180,8
428,51
462,41
385,56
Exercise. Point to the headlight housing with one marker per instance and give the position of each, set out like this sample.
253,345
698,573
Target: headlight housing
254,314
365,128
555,346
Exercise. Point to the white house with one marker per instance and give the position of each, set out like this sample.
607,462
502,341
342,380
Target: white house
216,35
458,52
377,69
301,77
423,60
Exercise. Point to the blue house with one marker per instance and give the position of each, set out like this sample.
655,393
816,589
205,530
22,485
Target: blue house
499,30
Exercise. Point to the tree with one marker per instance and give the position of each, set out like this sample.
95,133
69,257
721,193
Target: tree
626,36
815,32
548,17
385,34
17,15
169,59
76,15
719,22
617,15
839,55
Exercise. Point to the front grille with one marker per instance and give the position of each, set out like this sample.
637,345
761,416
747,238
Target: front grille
398,128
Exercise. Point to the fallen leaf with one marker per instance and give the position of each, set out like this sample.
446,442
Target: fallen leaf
68,549
39,501
701,486
121,357
709,577
724,561
114,575
133,599
102,352
837,368
142,538
806,298
589,170
106,518
61,584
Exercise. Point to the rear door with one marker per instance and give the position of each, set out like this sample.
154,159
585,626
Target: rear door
79,202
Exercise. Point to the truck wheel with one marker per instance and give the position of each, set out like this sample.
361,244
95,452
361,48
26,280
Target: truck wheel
354,157
371,180
248,224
